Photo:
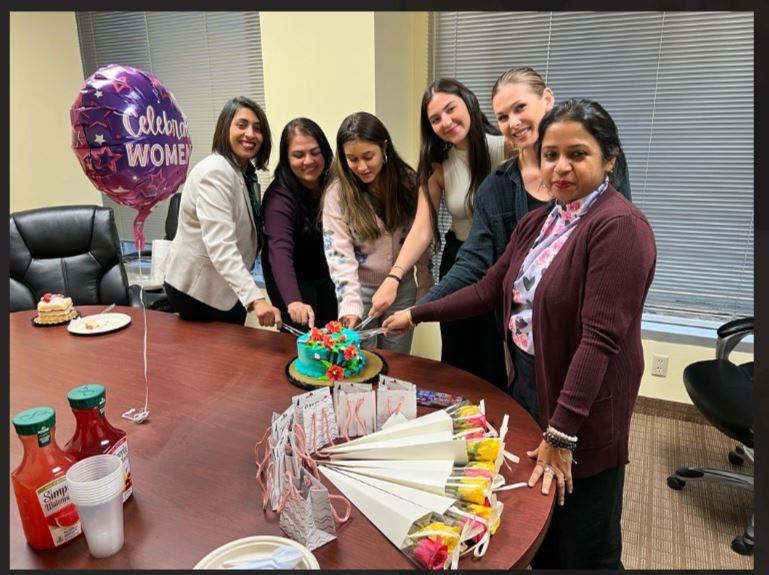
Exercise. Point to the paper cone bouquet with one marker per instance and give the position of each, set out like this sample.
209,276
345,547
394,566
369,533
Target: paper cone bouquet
427,484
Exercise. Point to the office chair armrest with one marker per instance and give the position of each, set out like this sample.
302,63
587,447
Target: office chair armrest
730,334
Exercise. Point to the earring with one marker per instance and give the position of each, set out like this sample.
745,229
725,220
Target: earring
385,156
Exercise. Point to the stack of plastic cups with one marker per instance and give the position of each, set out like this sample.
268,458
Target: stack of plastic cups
96,488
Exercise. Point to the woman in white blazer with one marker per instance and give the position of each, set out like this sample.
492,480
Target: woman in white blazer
208,273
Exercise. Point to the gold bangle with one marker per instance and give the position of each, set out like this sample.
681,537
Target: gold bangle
411,320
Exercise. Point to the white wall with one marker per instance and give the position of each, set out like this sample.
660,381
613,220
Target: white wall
45,76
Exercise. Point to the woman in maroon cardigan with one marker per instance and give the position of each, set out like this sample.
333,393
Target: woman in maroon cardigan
295,269
573,281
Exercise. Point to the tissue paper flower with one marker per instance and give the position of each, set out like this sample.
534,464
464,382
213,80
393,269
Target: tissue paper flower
485,449
430,554
473,489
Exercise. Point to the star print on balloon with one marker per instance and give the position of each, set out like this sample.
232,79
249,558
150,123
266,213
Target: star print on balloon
131,139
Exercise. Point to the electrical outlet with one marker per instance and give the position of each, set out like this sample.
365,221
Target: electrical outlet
660,365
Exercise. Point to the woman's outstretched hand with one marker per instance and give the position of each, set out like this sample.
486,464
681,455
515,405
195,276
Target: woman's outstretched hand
399,322
553,465
301,313
384,297
267,314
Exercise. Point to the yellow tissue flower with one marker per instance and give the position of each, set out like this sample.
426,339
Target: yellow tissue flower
485,449
447,535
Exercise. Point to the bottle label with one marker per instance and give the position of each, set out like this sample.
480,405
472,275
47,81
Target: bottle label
60,513
121,450
43,436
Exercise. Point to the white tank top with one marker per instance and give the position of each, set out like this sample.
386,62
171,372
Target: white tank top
456,179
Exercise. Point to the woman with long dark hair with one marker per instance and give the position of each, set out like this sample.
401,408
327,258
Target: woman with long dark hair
367,211
295,269
208,271
459,147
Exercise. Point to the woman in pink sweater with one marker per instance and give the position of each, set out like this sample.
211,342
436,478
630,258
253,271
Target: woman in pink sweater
572,281
367,211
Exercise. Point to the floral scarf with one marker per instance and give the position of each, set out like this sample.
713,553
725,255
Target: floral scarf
555,231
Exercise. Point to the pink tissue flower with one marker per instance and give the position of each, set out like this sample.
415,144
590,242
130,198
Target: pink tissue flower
431,554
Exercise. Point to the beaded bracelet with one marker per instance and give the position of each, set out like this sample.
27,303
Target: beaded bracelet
559,439
393,276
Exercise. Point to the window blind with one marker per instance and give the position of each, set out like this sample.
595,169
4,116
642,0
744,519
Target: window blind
679,85
204,58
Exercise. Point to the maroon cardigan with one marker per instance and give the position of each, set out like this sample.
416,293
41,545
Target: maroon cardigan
586,323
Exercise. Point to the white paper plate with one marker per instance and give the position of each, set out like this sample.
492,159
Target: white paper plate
98,323
253,548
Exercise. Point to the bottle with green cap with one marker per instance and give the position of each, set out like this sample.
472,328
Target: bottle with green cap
94,435
48,516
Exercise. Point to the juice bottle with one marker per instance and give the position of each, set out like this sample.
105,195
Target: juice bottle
48,517
94,435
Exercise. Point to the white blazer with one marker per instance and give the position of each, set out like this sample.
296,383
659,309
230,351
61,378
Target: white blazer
211,256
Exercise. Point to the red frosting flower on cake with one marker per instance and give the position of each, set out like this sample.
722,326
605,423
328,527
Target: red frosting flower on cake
350,352
333,327
316,334
335,373
328,341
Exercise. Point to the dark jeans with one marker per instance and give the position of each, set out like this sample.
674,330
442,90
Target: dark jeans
524,387
586,532
192,309
318,294
473,344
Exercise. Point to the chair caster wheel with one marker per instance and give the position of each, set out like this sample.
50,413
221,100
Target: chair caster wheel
735,459
742,545
676,483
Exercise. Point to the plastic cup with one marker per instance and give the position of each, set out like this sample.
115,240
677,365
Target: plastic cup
96,488
159,256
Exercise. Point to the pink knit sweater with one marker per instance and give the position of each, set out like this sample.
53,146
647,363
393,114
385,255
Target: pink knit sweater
353,263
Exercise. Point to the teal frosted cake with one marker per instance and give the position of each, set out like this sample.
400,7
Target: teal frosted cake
329,353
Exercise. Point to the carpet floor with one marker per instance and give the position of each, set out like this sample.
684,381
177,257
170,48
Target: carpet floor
689,529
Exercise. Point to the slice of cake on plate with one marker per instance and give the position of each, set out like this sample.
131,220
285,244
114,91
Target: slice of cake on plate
55,308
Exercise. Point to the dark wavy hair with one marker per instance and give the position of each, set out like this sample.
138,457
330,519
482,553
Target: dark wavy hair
306,202
309,128
397,180
435,150
597,121
221,141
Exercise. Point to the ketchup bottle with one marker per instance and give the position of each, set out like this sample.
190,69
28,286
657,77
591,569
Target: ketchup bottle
48,516
94,435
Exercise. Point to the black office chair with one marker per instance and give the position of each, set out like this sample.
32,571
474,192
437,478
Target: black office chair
723,393
73,250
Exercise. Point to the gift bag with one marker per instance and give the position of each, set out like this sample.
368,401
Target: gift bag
307,516
314,413
355,406
395,396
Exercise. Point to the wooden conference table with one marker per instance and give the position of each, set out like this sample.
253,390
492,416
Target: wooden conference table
212,390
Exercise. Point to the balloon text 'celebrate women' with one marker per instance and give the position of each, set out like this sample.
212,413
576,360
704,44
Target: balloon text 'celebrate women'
131,139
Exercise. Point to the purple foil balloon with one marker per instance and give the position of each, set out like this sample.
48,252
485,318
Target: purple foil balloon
131,139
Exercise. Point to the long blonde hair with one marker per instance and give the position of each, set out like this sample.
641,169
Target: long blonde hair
396,180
